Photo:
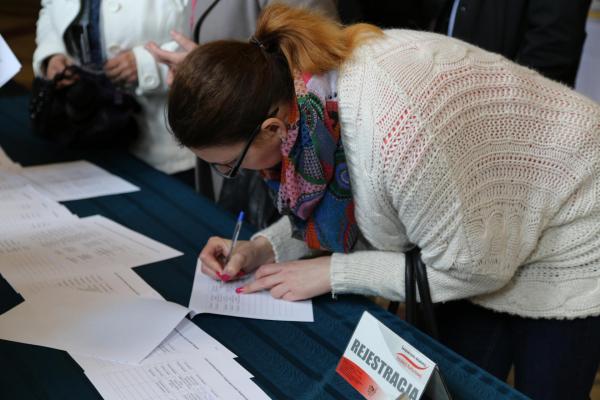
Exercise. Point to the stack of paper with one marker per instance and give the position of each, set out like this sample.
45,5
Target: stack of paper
63,181
42,244
75,180
82,295
56,252
187,376
116,327
188,364
12,179
24,205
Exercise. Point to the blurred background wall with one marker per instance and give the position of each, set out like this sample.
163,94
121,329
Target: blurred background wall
17,26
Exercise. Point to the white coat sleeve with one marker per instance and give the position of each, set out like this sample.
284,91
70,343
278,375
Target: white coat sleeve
48,40
152,76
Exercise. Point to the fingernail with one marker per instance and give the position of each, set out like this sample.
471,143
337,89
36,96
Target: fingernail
219,275
241,273
225,277
239,290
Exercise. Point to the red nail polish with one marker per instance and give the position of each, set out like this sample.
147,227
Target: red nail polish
225,277
219,275
239,290
241,273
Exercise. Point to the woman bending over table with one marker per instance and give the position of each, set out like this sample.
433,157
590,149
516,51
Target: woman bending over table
373,142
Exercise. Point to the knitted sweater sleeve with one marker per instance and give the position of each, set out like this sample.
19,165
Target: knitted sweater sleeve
285,247
375,273
381,273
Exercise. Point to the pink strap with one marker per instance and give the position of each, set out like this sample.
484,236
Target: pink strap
194,4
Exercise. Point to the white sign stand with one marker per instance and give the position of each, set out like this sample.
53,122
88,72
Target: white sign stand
381,365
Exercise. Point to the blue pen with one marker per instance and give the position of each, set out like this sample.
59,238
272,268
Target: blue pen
236,233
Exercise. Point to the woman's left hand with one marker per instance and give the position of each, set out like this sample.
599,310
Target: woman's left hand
172,58
122,68
294,280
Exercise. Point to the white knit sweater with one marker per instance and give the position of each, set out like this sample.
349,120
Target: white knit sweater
487,166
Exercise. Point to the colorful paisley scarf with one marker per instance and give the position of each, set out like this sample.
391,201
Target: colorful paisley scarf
312,184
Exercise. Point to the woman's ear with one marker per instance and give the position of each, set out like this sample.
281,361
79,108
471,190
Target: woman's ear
275,127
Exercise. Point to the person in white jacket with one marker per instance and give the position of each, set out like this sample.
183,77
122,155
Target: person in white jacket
221,19
122,29
374,142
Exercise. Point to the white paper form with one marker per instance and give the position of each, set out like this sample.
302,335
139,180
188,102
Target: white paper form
9,65
188,377
5,161
187,338
24,204
21,194
74,248
10,179
11,214
37,224
112,327
140,249
122,282
75,180
216,297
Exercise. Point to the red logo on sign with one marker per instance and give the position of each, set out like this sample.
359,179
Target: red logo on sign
412,363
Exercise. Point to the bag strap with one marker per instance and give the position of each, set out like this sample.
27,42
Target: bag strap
427,310
410,289
420,315
196,34
202,175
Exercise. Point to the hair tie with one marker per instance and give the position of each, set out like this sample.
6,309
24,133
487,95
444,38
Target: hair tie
253,40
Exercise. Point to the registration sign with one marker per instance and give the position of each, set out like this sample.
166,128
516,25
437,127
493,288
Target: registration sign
381,365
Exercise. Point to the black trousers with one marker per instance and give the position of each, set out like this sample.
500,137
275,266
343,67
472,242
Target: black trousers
553,359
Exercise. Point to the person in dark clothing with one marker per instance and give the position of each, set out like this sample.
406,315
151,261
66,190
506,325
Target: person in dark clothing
545,35
390,14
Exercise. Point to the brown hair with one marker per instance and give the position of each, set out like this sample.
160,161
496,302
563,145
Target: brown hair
224,89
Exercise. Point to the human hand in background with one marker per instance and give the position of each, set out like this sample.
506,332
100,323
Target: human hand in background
172,58
293,280
246,257
122,68
56,64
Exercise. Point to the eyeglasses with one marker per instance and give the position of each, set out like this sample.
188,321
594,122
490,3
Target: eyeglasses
229,171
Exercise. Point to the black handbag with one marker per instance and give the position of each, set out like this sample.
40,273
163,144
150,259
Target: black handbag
90,113
419,314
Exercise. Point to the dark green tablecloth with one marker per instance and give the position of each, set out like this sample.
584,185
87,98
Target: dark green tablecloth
288,359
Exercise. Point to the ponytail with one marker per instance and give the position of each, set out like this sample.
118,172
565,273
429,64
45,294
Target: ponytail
223,89
310,42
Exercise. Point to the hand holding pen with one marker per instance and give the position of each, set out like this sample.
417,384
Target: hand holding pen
236,233
228,260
